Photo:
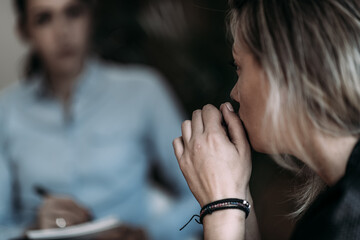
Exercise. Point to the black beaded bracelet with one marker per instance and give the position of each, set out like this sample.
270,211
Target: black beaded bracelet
229,203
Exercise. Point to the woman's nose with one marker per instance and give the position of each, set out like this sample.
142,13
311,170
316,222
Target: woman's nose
234,93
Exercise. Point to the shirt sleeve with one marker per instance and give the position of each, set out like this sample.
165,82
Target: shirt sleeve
164,126
8,228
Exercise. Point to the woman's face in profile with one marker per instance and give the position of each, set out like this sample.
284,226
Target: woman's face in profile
251,92
58,31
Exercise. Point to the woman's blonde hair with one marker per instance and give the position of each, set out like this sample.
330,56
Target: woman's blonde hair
310,49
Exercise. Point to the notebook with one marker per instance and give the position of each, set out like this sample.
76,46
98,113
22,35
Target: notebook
81,231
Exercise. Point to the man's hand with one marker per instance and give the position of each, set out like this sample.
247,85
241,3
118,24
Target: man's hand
58,212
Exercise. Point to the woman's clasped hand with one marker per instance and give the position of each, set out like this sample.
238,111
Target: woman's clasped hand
214,154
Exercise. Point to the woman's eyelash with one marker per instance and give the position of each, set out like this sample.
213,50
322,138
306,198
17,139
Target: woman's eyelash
234,65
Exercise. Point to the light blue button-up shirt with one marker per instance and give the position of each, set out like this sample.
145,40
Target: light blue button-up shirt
122,121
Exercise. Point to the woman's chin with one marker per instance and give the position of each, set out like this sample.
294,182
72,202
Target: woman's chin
261,146
257,147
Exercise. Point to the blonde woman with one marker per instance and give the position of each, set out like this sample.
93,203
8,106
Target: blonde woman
298,66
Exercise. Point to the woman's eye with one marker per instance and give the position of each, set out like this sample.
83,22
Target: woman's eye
235,66
42,19
74,12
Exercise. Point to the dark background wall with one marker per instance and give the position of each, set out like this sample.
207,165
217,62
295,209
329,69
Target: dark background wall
186,41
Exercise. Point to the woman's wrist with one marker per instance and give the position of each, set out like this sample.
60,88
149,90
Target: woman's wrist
239,194
226,224
225,216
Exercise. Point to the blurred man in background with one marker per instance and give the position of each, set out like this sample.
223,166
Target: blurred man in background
86,132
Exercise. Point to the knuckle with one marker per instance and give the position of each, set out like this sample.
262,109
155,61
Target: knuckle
47,204
69,202
212,110
196,112
213,137
66,200
208,107
184,163
186,123
175,141
197,145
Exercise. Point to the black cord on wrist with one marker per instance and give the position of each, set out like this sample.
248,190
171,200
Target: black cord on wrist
229,203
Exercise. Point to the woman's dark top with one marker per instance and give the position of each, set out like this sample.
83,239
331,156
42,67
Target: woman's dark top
335,214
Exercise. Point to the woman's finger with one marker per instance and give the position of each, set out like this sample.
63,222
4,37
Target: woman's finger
234,125
178,145
197,124
186,131
212,118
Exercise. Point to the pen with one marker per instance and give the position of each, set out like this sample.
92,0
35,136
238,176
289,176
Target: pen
41,191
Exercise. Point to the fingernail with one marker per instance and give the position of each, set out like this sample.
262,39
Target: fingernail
229,106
